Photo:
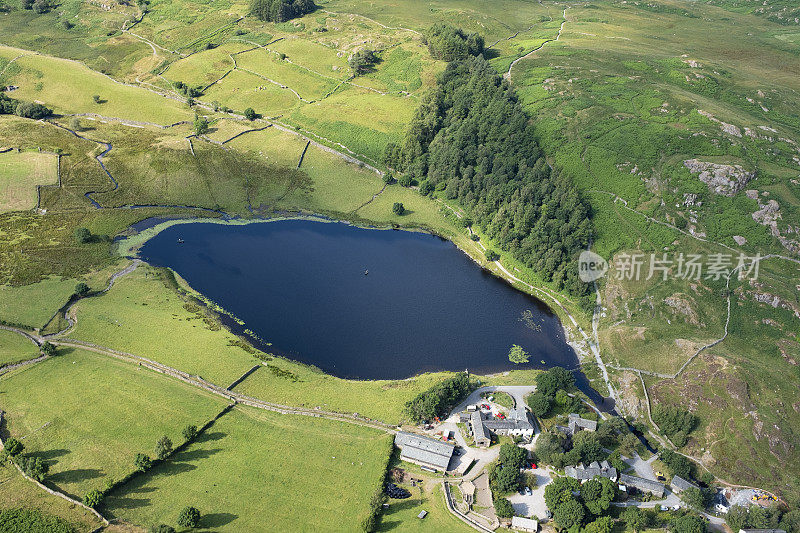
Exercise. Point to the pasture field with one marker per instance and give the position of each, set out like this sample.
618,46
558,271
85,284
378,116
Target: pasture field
240,90
254,467
204,67
403,513
16,491
20,173
15,348
61,409
68,87
115,320
309,85
32,305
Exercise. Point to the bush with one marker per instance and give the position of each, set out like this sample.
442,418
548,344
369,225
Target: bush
491,255
398,209
142,462
250,114
48,348
96,98
189,517
93,498
13,447
162,528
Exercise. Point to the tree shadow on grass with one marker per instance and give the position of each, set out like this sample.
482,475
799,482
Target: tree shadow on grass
214,520
50,456
75,475
191,456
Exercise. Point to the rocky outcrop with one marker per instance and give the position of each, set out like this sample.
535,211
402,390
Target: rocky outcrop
726,180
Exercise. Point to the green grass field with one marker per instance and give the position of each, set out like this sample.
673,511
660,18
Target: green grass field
16,491
32,305
255,469
68,87
116,318
20,173
15,347
402,514
62,409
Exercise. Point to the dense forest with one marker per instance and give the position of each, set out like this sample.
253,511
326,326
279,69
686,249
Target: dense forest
280,10
452,44
471,140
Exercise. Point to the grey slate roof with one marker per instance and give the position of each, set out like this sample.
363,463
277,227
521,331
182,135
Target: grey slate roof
595,469
642,484
424,450
680,484
478,429
576,422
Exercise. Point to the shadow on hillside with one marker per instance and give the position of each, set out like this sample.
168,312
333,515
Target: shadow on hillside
214,520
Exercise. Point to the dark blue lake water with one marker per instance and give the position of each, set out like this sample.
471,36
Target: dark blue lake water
424,305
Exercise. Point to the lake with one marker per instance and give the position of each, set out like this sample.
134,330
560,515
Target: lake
363,303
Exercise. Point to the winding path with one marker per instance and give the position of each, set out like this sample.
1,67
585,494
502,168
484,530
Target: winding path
507,75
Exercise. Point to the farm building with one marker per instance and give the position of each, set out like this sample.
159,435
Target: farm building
576,423
595,469
476,424
524,524
761,531
423,451
517,424
645,485
679,484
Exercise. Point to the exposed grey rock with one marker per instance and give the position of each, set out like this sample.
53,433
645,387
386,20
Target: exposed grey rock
721,179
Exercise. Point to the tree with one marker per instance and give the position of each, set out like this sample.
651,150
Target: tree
75,124
163,448
491,255
33,467
695,498
604,524
587,444
142,462
540,404
83,235
549,445
569,514
189,517
189,432
362,61
250,114
559,491
32,110
388,178
503,508
26,4
41,6
635,518
688,523
678,464
517,355
48,348
597,495
450,43
280,10
674,422
555,379
81,289
200,125
96,98
13,447
398,208
425,188
93,498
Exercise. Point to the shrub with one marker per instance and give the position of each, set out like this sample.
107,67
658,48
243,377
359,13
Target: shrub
491,255
48,348
142,462
189,517
13,447
250,114
93,498
96,98
388,178
41,6
398,208
162,528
